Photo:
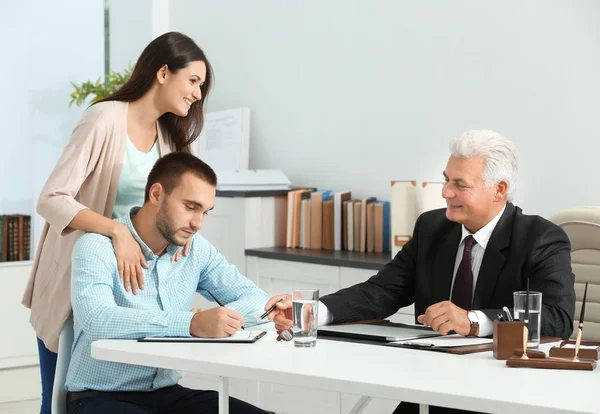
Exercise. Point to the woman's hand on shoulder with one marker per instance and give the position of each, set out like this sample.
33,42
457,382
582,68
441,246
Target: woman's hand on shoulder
130,259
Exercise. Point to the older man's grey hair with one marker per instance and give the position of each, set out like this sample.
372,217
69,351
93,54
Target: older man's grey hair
499,154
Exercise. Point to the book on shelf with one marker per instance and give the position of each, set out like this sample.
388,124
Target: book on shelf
15,237
348,225
305,222
381,224
302,210
328,225
316,217
338,231
357,216
2,241
363,222
293,217
370,228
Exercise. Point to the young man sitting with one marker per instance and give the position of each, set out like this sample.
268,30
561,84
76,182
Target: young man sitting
179,193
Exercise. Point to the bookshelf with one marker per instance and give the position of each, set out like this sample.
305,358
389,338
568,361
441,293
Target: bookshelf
19,371
8,265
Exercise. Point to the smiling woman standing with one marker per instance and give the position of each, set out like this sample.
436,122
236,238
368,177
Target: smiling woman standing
102,173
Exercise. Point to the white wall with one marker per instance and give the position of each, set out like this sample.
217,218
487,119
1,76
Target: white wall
353,94
46,45
130,31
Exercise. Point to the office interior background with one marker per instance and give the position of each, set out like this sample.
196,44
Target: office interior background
343,94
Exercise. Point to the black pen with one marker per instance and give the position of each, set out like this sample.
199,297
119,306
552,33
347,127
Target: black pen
271,309
526,324
217,300
580,331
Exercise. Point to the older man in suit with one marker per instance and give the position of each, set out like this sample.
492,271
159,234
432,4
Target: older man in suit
465,261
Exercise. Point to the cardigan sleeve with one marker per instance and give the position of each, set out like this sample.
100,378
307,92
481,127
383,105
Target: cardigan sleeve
57,203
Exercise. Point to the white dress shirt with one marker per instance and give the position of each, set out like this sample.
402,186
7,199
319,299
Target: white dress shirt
482,237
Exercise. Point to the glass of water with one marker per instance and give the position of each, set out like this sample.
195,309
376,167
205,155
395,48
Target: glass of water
535,314
305,308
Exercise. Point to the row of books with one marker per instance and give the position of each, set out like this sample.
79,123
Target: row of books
15,237
333,221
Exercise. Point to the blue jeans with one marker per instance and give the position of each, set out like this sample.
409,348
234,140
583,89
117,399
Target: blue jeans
47,371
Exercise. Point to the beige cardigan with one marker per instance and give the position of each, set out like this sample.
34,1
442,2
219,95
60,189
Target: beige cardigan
86,176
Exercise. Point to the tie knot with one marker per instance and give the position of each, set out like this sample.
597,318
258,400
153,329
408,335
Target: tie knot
469,243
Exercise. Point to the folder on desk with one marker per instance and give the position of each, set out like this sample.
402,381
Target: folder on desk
378,331
385,333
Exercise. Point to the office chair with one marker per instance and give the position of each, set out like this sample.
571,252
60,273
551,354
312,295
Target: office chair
59,393
582,225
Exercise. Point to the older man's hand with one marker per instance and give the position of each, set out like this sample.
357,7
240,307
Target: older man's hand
444,317
282,315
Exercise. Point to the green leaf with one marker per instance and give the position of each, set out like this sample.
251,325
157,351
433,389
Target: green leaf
100,88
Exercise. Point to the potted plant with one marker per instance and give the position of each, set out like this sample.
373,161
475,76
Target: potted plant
99,89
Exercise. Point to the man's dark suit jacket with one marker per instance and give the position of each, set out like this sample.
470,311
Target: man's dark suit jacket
520,246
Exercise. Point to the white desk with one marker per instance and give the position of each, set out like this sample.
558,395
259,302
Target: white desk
473,382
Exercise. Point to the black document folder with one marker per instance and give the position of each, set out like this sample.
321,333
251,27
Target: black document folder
377,331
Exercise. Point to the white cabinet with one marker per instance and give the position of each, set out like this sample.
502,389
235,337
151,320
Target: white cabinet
277,276
247,222
19,366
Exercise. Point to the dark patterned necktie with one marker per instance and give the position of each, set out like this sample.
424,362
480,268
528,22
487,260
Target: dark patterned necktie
462,292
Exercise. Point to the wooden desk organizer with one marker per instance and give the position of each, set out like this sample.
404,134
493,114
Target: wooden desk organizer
560,352
550,363
508,336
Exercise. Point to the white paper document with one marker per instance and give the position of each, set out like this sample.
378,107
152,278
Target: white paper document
239,336
225,139
572,346
448,341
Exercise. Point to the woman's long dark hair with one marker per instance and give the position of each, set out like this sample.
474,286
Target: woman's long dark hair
175,50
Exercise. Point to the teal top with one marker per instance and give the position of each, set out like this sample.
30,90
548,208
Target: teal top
134,174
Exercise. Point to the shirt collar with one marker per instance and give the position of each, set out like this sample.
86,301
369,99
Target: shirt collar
146,251
482,237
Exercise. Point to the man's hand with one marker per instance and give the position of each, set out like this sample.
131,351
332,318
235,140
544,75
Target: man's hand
218,322
444,317
282,315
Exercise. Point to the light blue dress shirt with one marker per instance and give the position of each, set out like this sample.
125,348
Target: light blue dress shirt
102,309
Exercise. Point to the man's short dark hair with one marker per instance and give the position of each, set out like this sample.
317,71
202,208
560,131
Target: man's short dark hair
168,171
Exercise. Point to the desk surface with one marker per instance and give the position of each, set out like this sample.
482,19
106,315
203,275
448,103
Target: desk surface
473,382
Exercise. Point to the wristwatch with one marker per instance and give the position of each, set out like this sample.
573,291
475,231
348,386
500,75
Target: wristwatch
474,323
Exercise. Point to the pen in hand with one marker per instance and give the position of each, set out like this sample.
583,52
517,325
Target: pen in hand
218,301
271,309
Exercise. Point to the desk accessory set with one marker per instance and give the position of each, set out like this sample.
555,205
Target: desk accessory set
564,356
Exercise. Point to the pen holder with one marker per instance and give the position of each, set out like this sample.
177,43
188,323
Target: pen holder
508,336
588,350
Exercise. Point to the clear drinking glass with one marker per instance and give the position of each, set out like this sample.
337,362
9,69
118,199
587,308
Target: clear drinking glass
305,308
535,315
